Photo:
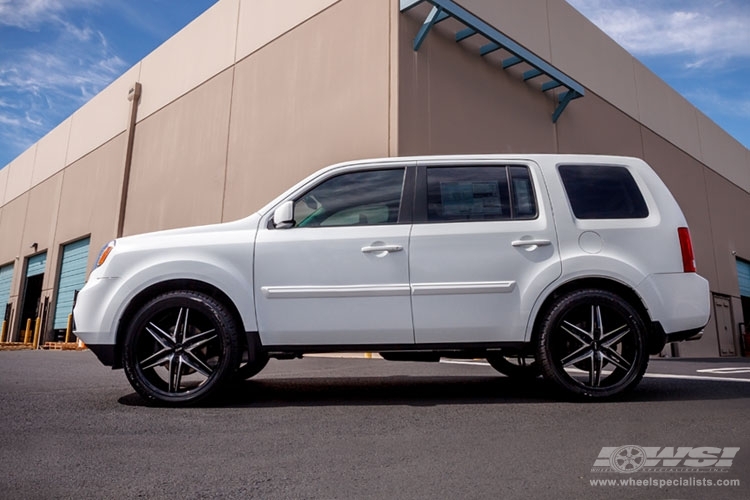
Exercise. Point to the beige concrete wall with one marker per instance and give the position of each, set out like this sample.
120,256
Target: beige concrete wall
89,198
105,116
581,49
662,109
12,219
198,52
729,207
685,177
722,153
40,222
315,96
28,219
557,32
453,101
592,125
179,154
262,21
3,183
98,121
51,151
19,174
528,24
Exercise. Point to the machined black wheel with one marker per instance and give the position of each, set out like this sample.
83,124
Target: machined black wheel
180,348
515,365
592,343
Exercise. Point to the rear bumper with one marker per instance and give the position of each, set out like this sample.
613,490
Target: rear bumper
658,339
679,302
685,335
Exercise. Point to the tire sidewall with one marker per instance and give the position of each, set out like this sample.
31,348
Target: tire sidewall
227,334
551,368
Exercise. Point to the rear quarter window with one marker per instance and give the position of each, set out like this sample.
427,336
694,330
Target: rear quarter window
602,192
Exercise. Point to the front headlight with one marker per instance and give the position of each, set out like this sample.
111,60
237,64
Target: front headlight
104,253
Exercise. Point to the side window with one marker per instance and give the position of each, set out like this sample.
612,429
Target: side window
352,199
522,190
479,193
602,192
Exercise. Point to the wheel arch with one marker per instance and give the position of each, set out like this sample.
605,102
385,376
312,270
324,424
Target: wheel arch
655,335
157,289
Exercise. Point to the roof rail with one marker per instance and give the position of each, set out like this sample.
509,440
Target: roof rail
444,9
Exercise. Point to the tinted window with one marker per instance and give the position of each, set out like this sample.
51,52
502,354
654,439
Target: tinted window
599,192
353,199
479,193
522,191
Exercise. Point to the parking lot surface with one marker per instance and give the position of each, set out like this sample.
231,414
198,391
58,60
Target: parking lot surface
324,427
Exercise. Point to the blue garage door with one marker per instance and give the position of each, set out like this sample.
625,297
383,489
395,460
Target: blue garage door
36,264
743,273
6,276
75,257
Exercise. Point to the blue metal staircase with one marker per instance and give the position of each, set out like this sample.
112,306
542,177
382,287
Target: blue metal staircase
495,40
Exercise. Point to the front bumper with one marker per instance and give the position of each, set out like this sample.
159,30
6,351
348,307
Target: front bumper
94,313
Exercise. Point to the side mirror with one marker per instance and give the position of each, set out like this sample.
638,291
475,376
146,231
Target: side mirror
283,217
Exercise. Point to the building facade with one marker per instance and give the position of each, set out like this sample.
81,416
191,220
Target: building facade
254,95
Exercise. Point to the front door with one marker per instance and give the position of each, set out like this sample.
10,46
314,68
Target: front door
340,275
483,247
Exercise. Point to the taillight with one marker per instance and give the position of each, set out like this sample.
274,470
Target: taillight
686,246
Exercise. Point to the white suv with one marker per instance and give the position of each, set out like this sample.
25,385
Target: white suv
573,267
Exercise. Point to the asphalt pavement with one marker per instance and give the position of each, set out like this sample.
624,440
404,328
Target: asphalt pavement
367,428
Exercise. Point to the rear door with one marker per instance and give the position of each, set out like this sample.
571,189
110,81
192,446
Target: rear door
483,247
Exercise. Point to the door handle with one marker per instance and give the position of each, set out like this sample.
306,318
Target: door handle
528,243
382,248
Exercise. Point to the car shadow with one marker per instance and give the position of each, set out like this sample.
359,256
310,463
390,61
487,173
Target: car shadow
436,391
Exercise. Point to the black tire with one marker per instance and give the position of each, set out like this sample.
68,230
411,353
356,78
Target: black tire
180,348
515,366
252,368
592,344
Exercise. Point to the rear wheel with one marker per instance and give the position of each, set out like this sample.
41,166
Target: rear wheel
592,343
515,366
180,348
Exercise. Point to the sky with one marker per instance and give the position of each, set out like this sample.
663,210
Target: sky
55,55
701,48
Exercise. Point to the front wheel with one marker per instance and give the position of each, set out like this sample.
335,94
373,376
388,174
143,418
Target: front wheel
592,343
180,348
